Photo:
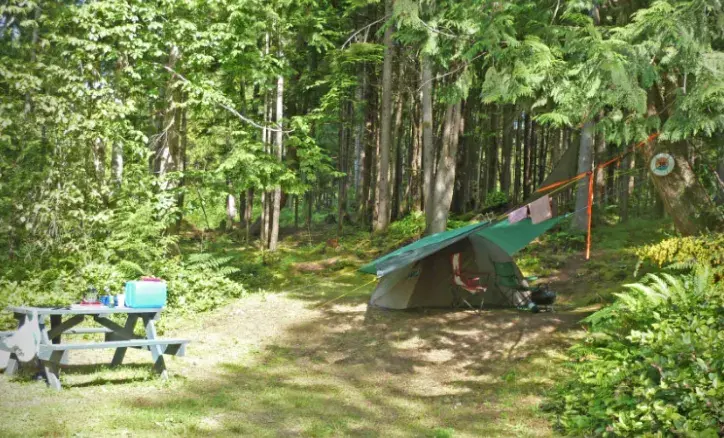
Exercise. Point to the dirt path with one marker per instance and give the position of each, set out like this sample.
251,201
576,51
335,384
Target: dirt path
271,365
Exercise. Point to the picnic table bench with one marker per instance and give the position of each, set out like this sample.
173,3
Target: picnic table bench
52,352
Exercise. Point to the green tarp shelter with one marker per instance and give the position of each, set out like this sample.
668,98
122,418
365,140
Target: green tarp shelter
420,274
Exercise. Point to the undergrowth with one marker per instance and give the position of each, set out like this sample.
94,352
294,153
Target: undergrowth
652,364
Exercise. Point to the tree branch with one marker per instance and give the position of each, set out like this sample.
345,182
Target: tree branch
451,72
358,31
229,108
428,27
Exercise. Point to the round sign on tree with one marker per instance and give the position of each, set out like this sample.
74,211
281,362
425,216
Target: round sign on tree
662,164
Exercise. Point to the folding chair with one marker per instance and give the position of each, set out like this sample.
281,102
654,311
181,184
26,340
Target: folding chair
466,281
506,278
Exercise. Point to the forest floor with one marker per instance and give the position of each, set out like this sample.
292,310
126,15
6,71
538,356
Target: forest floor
307,357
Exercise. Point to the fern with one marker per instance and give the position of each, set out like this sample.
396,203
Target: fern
652,363
211,262
130,269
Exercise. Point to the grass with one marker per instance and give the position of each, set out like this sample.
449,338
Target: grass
286,361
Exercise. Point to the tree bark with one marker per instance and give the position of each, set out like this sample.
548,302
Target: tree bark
230,210
383,204
585,162
341,166
543,154
397,186
415,161
518,162
625,183
527,156
507,151
445,175
428,145
359,133
167,140
600,184
492,156
685,198
278,146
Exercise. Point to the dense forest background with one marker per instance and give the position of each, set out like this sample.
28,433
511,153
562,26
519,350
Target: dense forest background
118,115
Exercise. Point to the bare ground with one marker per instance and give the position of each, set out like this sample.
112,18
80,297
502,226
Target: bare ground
273,365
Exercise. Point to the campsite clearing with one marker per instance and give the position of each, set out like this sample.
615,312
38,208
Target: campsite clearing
280,364
269,366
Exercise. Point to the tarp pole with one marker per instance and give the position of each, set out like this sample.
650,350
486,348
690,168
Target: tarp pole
590,213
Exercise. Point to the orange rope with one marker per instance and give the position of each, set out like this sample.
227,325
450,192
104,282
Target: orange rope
560,183
600,168
590,214
590,175
621,156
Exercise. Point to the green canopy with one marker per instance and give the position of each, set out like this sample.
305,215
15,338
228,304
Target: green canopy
509,237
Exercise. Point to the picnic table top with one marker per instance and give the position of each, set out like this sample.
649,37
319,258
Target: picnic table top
84,311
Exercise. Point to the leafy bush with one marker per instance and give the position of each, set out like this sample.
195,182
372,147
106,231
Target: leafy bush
200,283
705,250
652,365
119,244
495,199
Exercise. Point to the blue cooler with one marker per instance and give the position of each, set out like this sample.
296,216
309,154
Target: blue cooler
145,294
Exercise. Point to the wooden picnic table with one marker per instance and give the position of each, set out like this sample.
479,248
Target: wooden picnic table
56,322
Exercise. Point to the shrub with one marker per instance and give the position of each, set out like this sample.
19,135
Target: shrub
652,365
199,283
706,250
495,199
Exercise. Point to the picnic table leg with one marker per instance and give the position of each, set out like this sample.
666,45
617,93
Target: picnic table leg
13,363
55,321
121,352
156,351
51,368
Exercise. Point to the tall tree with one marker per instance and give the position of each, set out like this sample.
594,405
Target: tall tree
383,202
428,146
445,173
278,146
585,163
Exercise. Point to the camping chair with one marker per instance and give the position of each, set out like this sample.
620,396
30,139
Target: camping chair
466,281
506,278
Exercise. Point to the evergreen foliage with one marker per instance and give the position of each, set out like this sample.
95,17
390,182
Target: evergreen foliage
652,364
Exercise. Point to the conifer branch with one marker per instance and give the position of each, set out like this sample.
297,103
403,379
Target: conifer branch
229,108
360,30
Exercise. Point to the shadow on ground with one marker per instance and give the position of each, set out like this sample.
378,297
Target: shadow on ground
367,372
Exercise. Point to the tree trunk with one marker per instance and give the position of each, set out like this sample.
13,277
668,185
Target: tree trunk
366,156
278,147
310,201
397,186
601,156
492,156
359,134
344,114
117,163
445,175
527,156
507,151
685,198
625,182
230,210
167,140
428,145
518,163
415,162
383,204
585,162
543,154
249,213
